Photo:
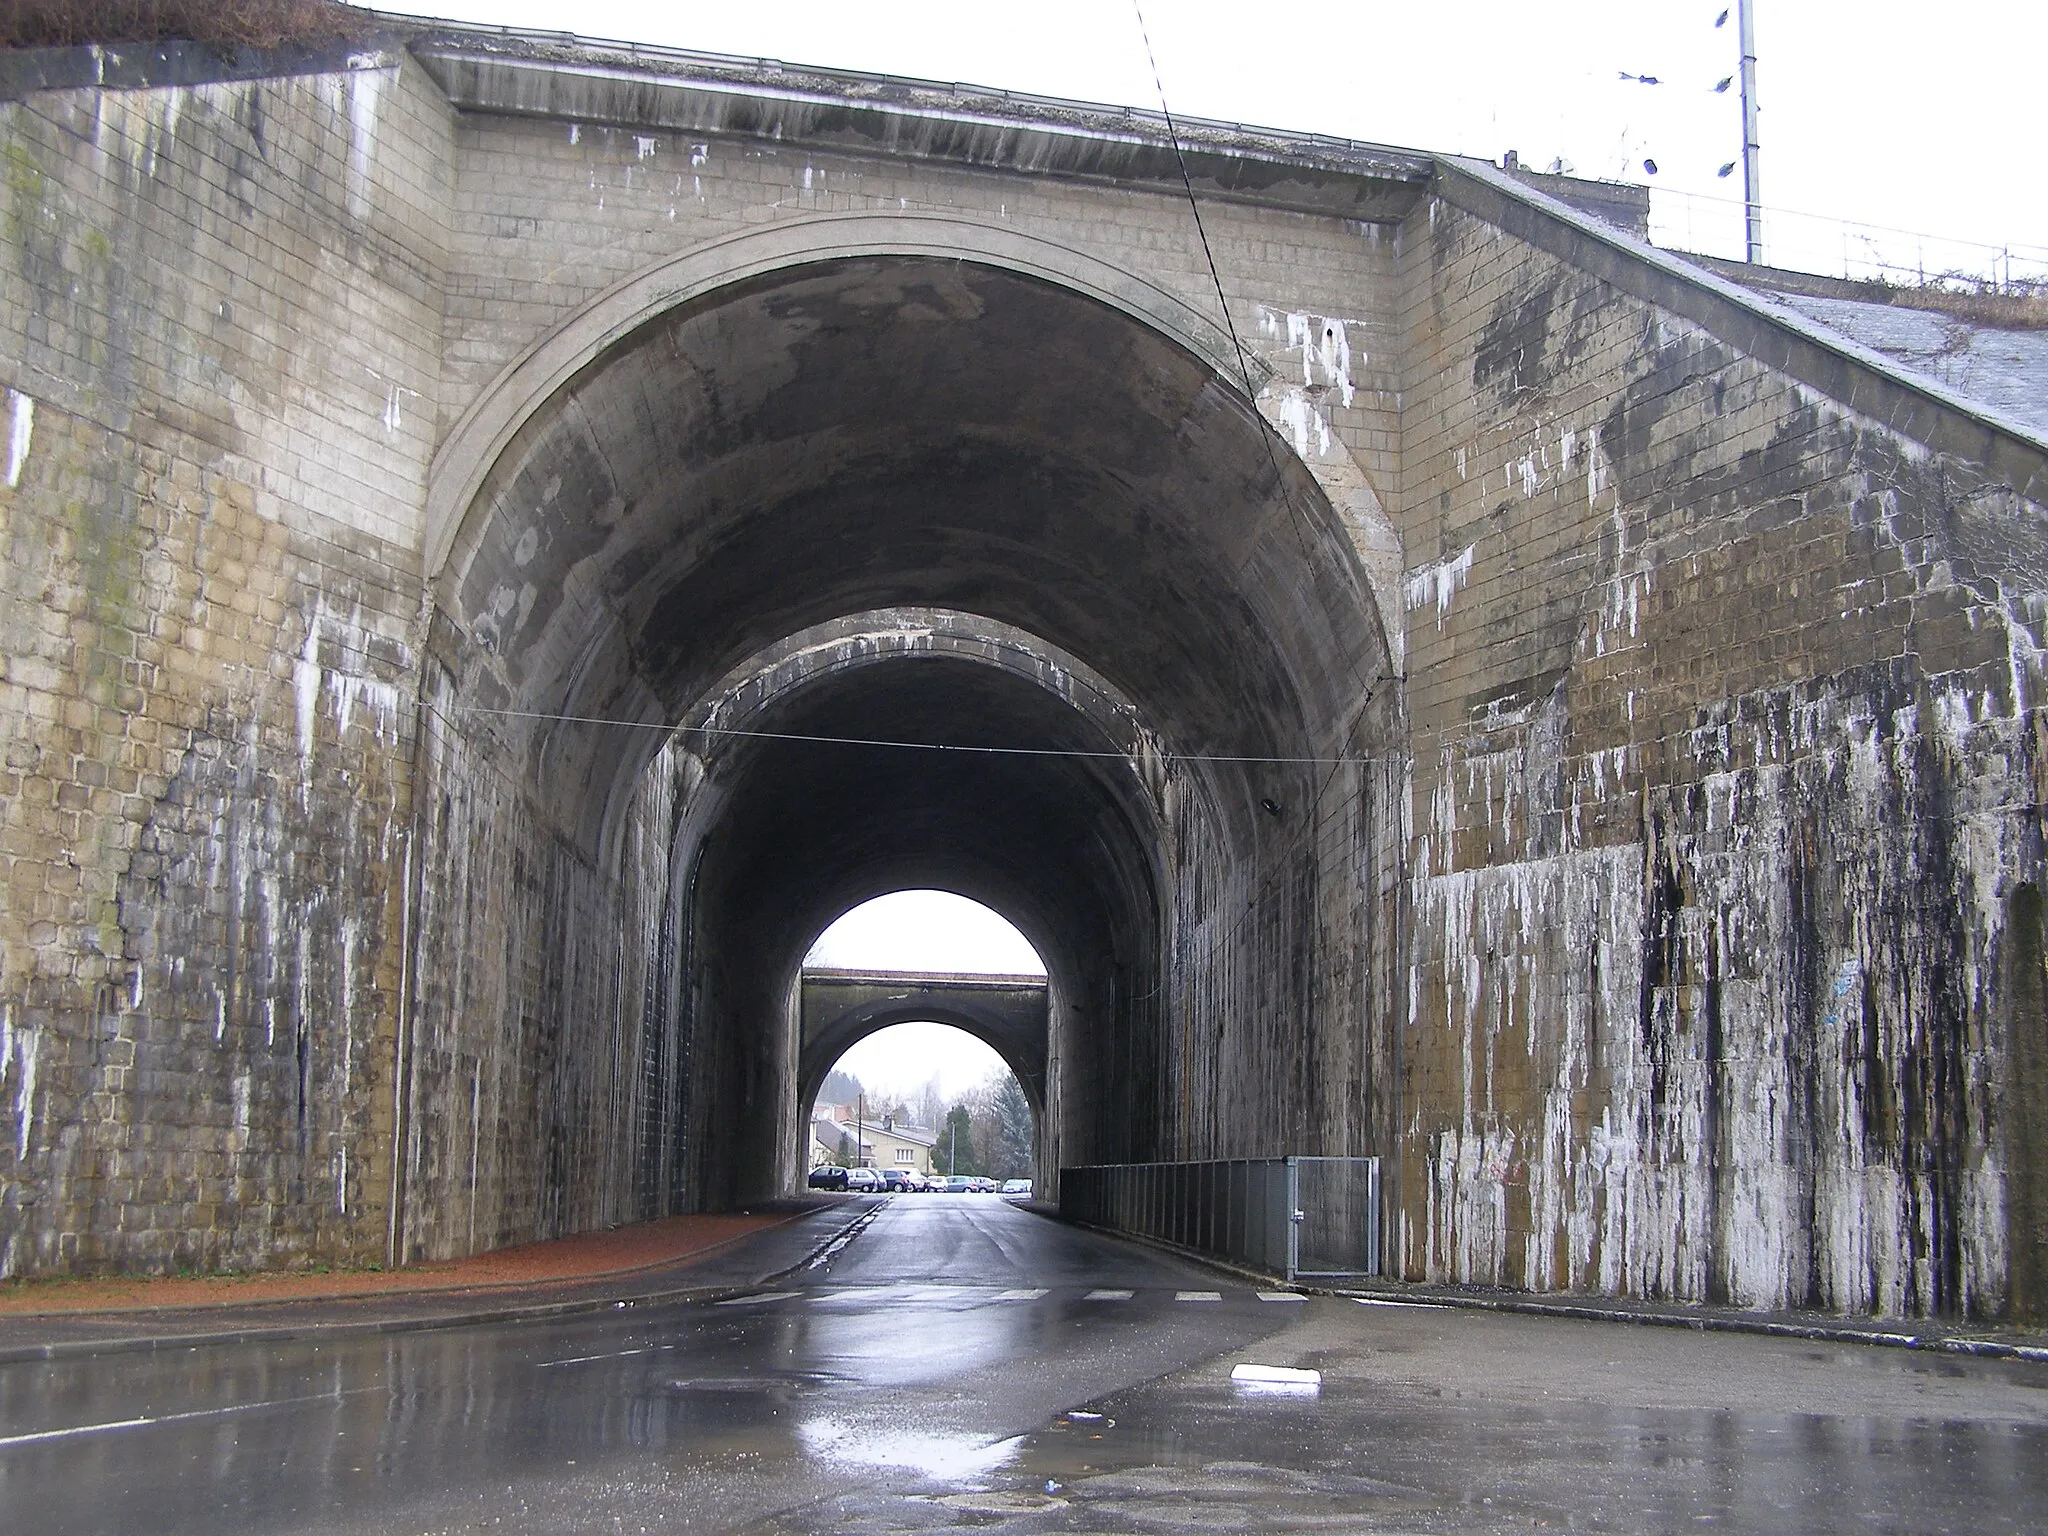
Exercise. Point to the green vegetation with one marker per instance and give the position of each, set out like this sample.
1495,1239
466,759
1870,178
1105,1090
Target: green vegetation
223,23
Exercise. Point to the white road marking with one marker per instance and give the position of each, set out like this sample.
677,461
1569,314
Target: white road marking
1107,1296
617,1354
1386,1301
1281,1296
1027,1294
1277,1375
43,1436
1197,1295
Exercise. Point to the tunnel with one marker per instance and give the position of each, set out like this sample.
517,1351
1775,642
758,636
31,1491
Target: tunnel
907,570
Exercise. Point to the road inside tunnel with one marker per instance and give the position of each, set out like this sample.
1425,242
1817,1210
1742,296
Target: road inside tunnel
958,1360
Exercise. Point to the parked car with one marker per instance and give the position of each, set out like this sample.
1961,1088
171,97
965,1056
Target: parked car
1017,1187
902,1180
825,1176
864,1181
982,1186
956,1184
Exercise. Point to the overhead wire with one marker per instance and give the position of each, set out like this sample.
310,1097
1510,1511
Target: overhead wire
1304,522
819,739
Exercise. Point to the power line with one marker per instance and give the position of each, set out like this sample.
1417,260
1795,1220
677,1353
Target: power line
900,746
1304,520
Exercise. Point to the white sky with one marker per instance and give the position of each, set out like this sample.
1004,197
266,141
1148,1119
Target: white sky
1913,116
897,1062
924,931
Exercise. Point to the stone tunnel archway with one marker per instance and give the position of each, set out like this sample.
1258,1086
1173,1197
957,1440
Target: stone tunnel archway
1055,536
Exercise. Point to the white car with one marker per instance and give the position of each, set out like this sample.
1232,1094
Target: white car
1017,1187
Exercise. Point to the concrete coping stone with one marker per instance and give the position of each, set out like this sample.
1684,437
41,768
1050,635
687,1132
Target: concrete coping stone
1857,376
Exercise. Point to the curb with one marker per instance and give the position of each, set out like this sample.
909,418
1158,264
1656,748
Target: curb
73,1349
1706,1322
1595,1312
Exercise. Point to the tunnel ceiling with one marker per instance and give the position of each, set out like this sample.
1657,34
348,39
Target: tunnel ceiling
1065,846
882,431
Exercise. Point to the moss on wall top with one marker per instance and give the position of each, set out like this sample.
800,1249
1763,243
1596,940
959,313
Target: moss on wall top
223,23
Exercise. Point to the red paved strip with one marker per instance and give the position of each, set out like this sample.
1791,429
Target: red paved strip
592,1255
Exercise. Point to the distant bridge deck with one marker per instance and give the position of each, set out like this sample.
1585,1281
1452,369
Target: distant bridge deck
840,1008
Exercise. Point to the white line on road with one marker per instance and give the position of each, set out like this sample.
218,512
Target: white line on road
1197,1295
1107,1296
1281,1296
1276,1375
1387,1301
42,1436
1026,1294
617,1354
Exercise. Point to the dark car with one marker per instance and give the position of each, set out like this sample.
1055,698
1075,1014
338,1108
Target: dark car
825,1176
900,1180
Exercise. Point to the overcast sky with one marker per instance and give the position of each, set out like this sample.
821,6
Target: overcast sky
1923,117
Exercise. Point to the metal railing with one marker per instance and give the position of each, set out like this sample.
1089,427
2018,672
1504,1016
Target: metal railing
1298,1217
1846,248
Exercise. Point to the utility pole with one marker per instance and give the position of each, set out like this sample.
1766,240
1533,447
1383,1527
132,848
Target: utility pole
860,1139
1752,194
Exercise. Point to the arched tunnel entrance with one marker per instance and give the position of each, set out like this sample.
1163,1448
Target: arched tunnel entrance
877,572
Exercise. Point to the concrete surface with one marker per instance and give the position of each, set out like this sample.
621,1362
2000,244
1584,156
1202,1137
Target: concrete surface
957,1361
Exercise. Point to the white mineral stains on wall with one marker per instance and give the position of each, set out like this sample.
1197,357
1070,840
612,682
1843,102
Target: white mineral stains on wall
1304,423
1437,583
363,87
21,427
1323,343
24,1047
306,690
1656,1166
1494,925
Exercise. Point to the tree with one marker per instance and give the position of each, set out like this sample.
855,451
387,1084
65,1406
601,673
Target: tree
955,1151
839,1088
1012,1146
931,1106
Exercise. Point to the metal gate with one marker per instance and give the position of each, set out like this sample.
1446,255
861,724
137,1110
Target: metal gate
1301,1217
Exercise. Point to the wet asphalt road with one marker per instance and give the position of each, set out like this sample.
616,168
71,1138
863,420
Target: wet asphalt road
960,1363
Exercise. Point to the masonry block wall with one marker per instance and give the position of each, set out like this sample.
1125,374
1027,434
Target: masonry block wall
218,308
1726,814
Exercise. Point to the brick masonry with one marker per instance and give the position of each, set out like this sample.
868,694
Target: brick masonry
1675,930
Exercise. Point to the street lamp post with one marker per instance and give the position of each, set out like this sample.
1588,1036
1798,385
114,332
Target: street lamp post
1752,193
